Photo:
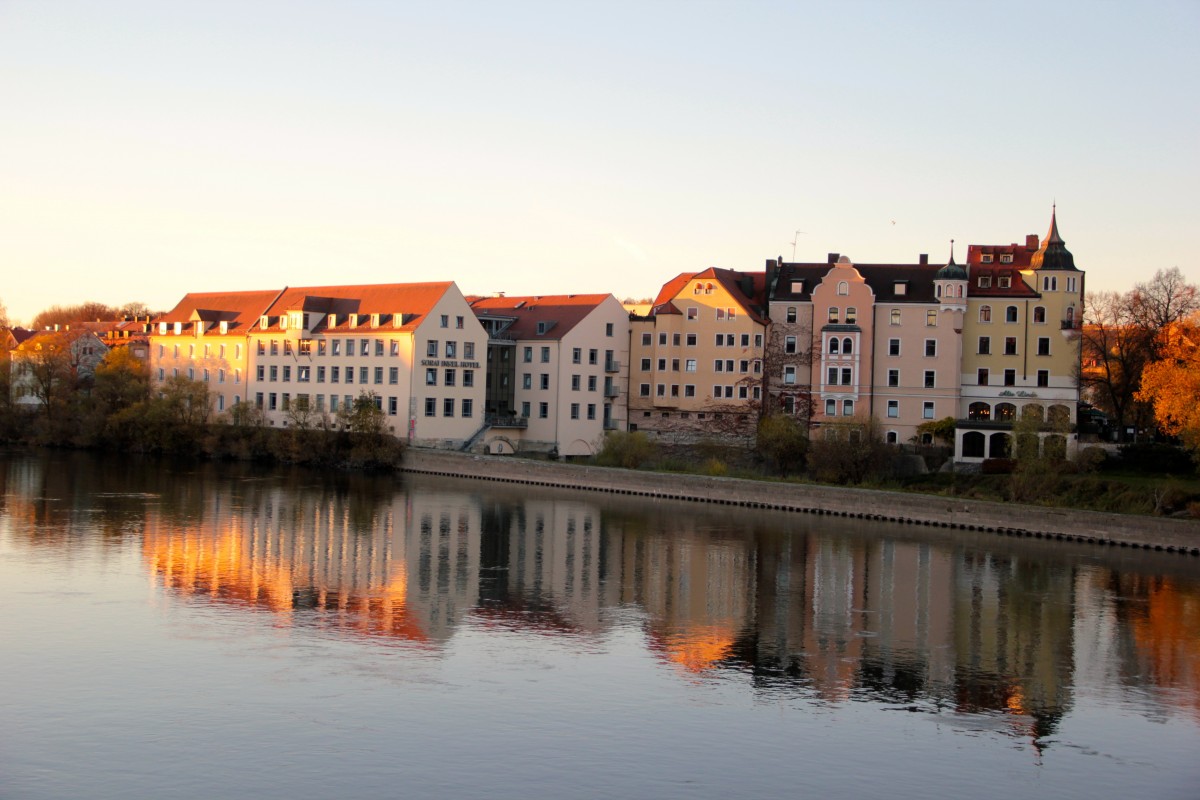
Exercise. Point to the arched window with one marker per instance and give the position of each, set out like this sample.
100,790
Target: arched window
985,313
973,445
939,290
1071,314
847,346
833,345
843,287
708,287
851,315
1058,414
1039,315
895,316
892,438
1010,314
998,446
1005,412
1033,410
959,292
980,412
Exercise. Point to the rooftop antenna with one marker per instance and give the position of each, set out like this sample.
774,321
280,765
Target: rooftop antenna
795,239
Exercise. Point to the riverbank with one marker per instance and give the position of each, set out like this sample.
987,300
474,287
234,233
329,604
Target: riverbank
1011,519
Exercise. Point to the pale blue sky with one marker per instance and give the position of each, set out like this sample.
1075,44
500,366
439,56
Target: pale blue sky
148,149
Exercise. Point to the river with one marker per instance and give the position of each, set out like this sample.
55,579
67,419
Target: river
188,630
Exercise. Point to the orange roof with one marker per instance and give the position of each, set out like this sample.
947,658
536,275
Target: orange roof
730,280
413,300
239,309
556,314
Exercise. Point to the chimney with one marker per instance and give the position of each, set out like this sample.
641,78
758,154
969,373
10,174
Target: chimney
833,257
923,258
1032,242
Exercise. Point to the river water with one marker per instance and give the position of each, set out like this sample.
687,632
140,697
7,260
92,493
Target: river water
197,630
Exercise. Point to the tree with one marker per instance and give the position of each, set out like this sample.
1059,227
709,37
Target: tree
782,443
849,452
942,430
122,379
3,315
1171,385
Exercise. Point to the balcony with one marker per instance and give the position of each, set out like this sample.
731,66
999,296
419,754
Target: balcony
612,391
508,421
612,365
611,425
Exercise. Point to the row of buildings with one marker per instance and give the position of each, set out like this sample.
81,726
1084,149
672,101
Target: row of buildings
986,342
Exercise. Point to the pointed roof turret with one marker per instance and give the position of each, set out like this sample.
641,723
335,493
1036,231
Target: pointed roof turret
952,271
1053,253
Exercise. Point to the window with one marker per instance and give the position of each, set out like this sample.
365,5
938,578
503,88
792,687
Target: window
451,377
689,390
930,379
692,313
1006,258
1010,314
458,323
689,365
451,350
592,356
831,376
981,377
1071,284
337,347
1043,346
931,318
260,373
468,377
927,410
350,348
831,408
1004,282
843,288
430,376
674,341
445,320
1039,315
392,405
543,410
1010,377
834,314
789,375
431,348
893,409
363,374
893,377
544,381
662,365
644,390
575,383
1010,345
574,410
527,380
545,355
895,316
719,365
448,407
527,355
985,281
789,344
303,373
985,345
720,313
272,402
851,315
645,365
468,350
591,411
847,408
394,375
985,313
647,340
525,409
674,365
720,340
833,345
931,348
791,314
846,379
662,339
1049,283
379,347
893,347
274,347
1043,378
334,374
691,340
899,288
379,375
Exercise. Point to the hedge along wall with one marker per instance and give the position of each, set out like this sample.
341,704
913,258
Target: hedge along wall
1012,519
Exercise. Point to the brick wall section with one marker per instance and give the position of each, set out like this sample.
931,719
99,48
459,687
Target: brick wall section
1116,530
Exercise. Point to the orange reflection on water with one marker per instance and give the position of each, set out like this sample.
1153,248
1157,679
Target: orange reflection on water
1165,637
697,649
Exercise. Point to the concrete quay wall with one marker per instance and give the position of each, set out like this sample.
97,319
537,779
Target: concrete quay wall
1118,530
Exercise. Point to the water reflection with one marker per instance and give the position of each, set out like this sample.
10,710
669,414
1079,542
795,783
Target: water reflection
815,610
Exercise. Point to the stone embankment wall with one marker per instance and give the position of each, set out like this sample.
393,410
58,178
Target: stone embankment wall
1118,530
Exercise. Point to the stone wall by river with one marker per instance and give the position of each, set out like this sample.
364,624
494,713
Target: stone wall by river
1118,530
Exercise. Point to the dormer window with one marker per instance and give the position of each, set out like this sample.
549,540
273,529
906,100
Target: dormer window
1004,282
264,322
178,328
162,329
541,328
797,287
985,281
900,287
283,322
1006,258
986,258
354,320
224,327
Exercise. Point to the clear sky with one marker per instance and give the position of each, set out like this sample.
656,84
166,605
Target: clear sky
148,149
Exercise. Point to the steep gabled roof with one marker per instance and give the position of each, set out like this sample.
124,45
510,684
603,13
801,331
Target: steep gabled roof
746,288
555,315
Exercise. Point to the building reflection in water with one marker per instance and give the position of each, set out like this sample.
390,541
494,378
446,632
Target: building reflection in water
816,609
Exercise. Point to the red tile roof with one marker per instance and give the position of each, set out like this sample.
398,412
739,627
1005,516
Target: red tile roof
565,311
240,309
413,300
734,282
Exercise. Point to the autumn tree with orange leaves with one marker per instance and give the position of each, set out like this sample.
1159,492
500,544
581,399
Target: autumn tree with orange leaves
1171,385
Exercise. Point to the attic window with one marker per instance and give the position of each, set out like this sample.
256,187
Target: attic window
1006,258
985,281
162,329
224,327
986,258
797,287
900,287
1004,282
541,328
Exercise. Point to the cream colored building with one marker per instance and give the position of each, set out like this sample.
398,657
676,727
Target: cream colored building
415,348
556,372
